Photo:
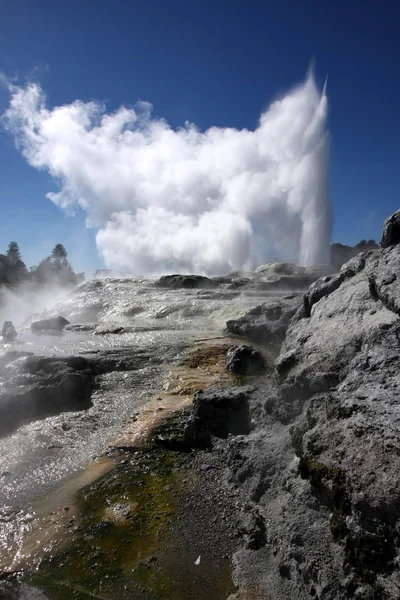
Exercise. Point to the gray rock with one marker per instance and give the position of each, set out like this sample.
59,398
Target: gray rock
11,357
9,332
14,590
54,324
323,464
245,360
218,412
287,276
251,526
268,322
186,281
279,268
40,387
391,231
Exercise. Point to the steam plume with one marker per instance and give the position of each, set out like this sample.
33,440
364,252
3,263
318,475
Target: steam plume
185,200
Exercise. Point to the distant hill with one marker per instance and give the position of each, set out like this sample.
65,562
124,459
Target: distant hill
340,253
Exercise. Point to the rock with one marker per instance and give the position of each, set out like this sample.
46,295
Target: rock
54,324
275,277
289,272
326,451
279,268
15,590
42,387
268,322
285,362
186,281
10,357
110,329
251,526
81,327
245,360
218,412
8,332
391,231
233,282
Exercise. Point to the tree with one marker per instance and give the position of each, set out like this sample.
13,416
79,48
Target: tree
59,252
14,253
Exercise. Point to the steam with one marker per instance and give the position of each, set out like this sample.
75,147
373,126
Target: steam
185,200
25,300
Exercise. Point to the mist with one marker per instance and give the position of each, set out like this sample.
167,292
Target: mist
185,200
25,300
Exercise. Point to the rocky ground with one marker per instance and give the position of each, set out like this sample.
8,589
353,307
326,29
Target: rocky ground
322,463
295,471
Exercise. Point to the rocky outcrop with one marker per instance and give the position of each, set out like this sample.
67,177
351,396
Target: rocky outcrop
54,324
245,360
323,463
35,387
391,231
218,412
8,332
186,281
268,322
277,276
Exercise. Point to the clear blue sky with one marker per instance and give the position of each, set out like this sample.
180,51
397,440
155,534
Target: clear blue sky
212,62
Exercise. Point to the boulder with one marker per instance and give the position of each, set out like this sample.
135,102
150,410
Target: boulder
8,332
245,360
218,412
391,231
268,322
53,324
186,282
41,387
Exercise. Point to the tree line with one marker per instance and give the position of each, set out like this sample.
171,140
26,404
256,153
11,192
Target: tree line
54,269
341,254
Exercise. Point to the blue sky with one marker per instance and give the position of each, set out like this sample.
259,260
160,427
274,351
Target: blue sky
213,63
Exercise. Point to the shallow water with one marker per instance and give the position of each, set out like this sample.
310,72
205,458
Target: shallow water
158,324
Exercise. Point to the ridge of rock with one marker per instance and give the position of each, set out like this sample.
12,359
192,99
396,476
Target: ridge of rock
323,461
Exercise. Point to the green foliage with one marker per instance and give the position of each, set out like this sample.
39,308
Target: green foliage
59,252
340,253
54,270
12,270
13,252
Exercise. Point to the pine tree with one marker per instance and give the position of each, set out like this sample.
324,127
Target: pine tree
14,253
59,252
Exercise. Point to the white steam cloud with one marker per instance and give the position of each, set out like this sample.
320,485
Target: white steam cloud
185,200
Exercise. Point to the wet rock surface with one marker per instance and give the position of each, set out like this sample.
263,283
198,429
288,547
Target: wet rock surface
303,466
268,322
245,360
9,332
36,387
186,281
53,324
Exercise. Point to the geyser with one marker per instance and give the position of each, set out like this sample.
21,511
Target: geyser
186,200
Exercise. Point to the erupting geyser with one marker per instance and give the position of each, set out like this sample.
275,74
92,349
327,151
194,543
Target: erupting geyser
186,200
